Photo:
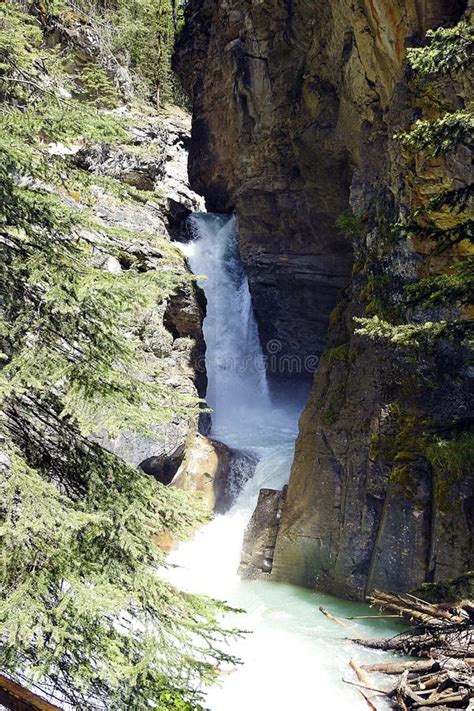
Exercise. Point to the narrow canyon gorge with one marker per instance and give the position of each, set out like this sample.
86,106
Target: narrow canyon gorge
295,114
236,374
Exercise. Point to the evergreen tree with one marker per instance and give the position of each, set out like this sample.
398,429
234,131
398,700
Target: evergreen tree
147,29
84,612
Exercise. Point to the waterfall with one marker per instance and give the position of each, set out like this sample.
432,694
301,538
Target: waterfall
295,657
243,416
237,386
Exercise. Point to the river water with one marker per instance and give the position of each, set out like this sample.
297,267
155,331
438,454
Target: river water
293,657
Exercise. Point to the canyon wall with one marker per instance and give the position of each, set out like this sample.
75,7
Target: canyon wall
268,143
295,109
290,107
171,331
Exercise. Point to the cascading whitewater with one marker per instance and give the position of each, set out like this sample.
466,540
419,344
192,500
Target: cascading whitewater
237,386
243,414
295,657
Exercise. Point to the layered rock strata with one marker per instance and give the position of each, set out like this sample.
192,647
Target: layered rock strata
155,165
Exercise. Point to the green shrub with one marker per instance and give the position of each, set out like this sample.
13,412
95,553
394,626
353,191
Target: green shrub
456,287
452,456
98,87
450,50
350,224
339,353
413,335
451,459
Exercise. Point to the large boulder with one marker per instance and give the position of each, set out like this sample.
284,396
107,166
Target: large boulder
204,468
211,468
261,534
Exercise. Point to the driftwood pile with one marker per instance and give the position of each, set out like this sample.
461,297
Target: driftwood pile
442,638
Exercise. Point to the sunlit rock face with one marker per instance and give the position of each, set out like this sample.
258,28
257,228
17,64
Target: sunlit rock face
295,109
204,469
289,110
212,469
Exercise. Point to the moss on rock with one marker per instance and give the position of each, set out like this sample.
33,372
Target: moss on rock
453,590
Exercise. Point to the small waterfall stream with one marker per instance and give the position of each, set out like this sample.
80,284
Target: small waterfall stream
294,658
237,387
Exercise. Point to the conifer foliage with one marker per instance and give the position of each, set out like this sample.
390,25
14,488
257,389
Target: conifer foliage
84,612
138,33
444,223
146,28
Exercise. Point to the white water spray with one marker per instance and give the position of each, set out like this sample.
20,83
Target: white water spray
243,416
294,658
237,387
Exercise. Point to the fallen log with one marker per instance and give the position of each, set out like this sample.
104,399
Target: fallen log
401,702
400,667
394,644
444,635
426,683
372,617
441,700
411,613
447,643
364,679
409,605
405,691
332,617
360,673
368,701
375,689
442,639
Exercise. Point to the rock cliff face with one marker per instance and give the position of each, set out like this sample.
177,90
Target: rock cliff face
295,108
290,108
155,164
258,548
